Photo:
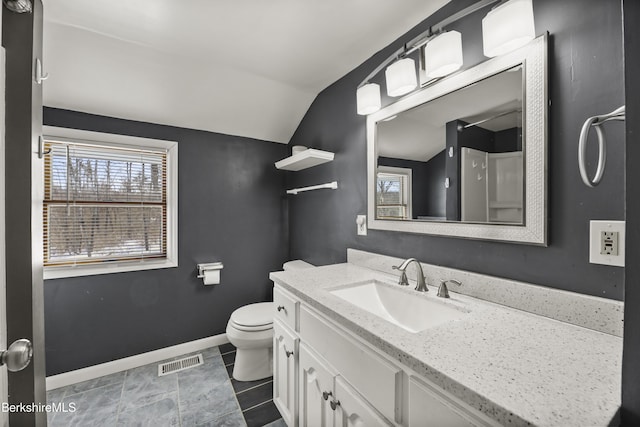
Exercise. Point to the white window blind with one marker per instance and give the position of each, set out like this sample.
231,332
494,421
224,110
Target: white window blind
104,204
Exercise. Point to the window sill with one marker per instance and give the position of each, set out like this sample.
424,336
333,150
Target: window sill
116,267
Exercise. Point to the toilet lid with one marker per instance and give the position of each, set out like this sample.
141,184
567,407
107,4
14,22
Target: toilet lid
259,314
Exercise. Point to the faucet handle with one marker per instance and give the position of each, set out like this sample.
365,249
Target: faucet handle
403,279
443,291
403,276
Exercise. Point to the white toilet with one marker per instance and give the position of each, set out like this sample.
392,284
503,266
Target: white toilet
250,330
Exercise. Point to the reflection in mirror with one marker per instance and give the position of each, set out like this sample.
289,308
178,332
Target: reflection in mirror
458,157
492,115
393,193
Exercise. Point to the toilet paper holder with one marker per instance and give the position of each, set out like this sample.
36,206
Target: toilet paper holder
208,267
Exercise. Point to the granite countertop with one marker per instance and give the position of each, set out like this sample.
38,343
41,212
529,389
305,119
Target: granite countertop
516,367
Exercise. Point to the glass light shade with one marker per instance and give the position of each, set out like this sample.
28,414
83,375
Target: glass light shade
368,99
508,27
443,54
401,77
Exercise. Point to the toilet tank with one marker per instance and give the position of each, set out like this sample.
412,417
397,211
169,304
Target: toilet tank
296,265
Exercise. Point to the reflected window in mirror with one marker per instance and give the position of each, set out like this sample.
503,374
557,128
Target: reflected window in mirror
394,193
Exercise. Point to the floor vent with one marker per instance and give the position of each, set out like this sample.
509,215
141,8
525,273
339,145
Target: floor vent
179,365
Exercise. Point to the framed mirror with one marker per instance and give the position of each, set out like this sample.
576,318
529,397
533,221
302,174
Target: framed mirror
466,156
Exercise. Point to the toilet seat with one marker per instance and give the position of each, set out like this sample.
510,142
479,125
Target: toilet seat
253,317
251,328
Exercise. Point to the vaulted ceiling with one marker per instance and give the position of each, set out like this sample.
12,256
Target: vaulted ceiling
242,67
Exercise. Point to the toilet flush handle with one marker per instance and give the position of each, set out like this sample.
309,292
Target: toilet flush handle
281,307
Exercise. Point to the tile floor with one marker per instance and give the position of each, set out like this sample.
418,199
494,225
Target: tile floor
200,396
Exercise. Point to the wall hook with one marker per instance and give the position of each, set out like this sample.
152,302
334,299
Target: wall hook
40,75
41,151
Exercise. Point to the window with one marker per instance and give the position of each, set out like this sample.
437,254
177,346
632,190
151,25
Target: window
110,203
393,193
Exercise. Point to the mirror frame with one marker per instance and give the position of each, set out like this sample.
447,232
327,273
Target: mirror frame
533,57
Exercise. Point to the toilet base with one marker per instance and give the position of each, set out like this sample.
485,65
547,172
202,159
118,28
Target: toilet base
253,364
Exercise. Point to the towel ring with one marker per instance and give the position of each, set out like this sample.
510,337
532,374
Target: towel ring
596,122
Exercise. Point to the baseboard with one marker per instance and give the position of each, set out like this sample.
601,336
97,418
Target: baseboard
119,365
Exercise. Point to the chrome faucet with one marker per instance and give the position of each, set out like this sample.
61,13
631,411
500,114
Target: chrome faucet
421,286
443,292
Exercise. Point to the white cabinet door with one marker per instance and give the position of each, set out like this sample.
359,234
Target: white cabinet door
316,390
285,372
429,406
373,376
353,410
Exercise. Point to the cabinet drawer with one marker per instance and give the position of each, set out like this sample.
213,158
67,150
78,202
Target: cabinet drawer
376,379
286,308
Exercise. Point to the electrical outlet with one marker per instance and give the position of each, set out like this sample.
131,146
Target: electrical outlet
361,222
607,242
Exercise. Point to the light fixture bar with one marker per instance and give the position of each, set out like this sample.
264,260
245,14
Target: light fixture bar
422,39
479,122
434,30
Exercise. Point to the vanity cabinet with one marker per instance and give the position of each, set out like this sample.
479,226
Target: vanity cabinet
327,400
325,376
316,390
375,378
285,371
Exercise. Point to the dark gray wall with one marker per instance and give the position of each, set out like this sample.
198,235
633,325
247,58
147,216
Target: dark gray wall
585,78
631,356
231,209
508,140
435,188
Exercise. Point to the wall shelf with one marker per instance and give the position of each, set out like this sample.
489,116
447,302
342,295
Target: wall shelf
304,159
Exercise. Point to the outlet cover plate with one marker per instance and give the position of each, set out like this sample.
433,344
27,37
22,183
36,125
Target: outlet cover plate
361,224
596,229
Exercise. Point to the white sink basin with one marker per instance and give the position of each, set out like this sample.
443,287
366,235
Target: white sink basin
412,312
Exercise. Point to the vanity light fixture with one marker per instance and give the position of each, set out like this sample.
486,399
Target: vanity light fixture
508,27
443,54
401,77
19,6
505,28
368,98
